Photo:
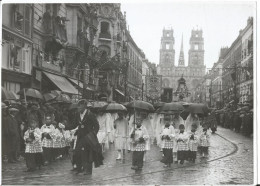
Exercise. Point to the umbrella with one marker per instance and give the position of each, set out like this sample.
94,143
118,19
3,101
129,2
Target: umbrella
98,104
198,108
31,93
138,104
158,104
171,107
49,96
63,98
114,107
56,92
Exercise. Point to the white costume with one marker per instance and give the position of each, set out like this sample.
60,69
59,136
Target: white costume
121,134
104,130
189,121
158,127
147,124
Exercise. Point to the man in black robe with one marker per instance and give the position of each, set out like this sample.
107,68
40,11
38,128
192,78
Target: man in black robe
88,149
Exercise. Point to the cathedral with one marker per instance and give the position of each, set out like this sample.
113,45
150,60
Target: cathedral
171,72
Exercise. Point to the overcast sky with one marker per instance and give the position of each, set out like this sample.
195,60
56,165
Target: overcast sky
220,22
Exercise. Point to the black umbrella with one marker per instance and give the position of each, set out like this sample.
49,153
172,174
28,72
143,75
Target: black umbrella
30,92
114,107
138,104
171,108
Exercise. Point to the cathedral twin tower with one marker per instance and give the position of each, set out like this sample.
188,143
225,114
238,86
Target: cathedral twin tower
191,73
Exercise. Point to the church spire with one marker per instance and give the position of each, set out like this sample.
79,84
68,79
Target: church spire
181,57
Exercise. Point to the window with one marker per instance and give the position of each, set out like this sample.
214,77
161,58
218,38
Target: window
19,58
196,47
15,87
168,34
104,27
22,18
167,46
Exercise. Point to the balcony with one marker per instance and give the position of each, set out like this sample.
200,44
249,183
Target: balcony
52,66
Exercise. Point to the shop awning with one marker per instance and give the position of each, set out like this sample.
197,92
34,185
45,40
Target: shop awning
80,84
120,92
74,81
62,83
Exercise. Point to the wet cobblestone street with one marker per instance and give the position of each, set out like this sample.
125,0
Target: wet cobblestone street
230,161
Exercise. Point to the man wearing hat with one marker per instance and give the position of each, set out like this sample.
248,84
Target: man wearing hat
12,135
88,149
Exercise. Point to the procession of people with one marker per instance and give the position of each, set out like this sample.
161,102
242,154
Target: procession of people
43,133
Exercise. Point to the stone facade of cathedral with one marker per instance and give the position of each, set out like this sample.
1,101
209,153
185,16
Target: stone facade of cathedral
171,72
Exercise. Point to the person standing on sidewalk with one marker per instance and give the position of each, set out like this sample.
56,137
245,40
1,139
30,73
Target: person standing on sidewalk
13,136
121,135
138,136
168,137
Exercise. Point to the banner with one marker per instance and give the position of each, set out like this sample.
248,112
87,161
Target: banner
153,86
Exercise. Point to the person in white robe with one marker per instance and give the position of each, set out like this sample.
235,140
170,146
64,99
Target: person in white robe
191,119
104,130
147,124
176,122
121,135
158,128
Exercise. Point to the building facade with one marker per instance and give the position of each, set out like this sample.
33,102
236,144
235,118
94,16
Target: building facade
245,75
170,72
17,46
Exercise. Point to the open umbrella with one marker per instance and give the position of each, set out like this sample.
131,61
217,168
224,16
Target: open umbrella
99,104
56,92
171,108
114,107
158,105
63,98
198,108
30,92
138,104
49,96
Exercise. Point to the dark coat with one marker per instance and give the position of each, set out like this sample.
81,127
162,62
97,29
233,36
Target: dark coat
87,137
12,133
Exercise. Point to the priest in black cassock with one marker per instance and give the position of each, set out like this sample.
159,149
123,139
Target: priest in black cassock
88,149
